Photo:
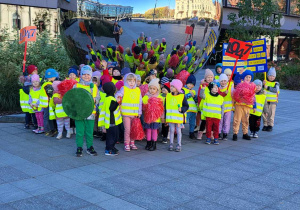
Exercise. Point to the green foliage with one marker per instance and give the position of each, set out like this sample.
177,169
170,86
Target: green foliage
101,27
255,18
160,12
45,53
289,75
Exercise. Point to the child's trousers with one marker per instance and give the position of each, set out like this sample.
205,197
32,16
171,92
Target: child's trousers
151,134
254,122
29,117
40,118
84,128
191,118
61,122
241,114
48,124
225,123
212,124
112,135
269,121
165,130
176,126
127,125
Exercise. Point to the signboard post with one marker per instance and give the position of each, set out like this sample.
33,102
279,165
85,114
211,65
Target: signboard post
239,50
27,34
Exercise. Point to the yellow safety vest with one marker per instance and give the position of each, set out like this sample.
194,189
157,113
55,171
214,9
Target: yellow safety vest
24,98
59,110
217,77
164,47
137,61
44,99
109,53
271,97
94,94
145,101
77,79
260,102
172,104
131,101
149,46
35,96
191,102
167,62
51,110
129,60
228,103
180,67
104,117
114,81
99,55
102,99
140,42
212,106
192,49
156,49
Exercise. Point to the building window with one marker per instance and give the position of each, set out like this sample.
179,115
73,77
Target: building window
294,10
16,21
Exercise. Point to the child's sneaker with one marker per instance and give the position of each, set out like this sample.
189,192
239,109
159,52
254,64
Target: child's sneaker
171,147
216,142
26,126
127,148
53,133
69,132
35,130
116,150
192,135
41,130
269,128
59,136
178,148
110,153
164,140
265,128
35,126
224,136
91,151
255,135
48,133
234,137
132,146
208,141
220,136
246,136
199,135
79,152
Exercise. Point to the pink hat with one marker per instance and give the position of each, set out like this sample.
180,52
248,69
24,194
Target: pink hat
208,72
102,47
186,58
177,84
35,78
163,39
55,84
96,74
119,84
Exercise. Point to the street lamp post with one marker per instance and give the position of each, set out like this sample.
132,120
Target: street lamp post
154,10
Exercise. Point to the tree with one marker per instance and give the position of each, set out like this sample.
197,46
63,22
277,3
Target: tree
255,18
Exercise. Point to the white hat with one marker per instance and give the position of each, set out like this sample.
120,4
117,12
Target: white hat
223,77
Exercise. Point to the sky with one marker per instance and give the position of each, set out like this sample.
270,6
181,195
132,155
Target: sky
141,6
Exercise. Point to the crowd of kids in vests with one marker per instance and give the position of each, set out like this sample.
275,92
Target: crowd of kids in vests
121,95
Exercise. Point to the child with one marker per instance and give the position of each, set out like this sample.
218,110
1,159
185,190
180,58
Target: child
24,96
34,102
129,59
192,111
272,88
62,118
218,70
85,127
45,96
152,128
138,80
224,126
110,118
131,106
165,127
116,75
73,74
212,110
261,107
208,78
175,107
242,110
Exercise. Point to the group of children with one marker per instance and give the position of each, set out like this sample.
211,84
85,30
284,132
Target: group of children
121,94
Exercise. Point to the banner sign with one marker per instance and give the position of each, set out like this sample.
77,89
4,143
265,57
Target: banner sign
256,62
211,42
27,34
189,30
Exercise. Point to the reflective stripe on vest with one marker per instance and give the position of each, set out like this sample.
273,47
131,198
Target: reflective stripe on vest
140,42
51,113
44,100
191,102
94,95
104,117
228,104
102,99
35,96
172,105
129,60
59,110
149,45
130,102
260,102
212,106
271,97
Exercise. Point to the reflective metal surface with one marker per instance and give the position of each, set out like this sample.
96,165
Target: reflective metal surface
204,16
